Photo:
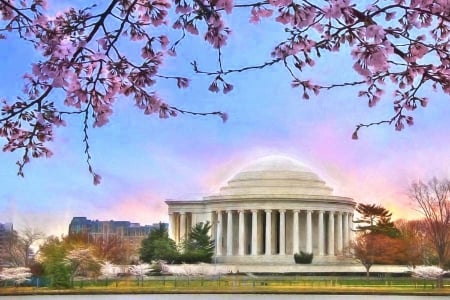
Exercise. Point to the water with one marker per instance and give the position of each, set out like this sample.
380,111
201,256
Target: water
220,297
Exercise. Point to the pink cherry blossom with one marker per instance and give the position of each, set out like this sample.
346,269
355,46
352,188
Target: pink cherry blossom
227,88
259,12
213,87
85,60
225,4
375,32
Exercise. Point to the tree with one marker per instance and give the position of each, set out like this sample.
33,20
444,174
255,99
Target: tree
13,250
28,237
158,246
18,275
113,248
51,254
429,272
199,247
18,246
433,199
140,271
376,248
82,262
109,270
415,243
375,219
84,61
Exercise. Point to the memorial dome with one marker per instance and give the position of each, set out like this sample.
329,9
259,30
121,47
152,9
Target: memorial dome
276,175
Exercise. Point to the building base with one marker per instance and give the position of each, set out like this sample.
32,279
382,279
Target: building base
280,260
312,269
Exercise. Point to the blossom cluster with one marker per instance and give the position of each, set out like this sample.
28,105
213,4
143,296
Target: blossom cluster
18,275
85,66
428,272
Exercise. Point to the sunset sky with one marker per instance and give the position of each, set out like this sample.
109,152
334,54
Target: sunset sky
144,160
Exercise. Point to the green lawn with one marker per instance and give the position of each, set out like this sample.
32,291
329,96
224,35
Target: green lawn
246,284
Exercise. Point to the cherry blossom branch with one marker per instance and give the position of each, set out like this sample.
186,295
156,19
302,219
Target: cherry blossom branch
84,56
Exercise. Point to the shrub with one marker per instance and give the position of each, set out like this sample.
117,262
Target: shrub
59,276
303,258
196,256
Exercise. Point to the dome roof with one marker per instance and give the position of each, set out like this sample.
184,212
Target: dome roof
278,176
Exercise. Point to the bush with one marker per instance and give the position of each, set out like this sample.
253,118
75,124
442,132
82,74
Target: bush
59,276
303,258
192,257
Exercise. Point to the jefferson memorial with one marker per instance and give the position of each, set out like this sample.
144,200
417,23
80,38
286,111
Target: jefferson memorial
271,209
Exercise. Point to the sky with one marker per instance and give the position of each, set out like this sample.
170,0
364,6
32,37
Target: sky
144,160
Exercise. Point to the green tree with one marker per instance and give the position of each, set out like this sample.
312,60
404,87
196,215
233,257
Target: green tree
375,219
199,247
52,254
158,246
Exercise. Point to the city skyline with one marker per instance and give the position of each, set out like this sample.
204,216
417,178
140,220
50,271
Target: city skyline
144,160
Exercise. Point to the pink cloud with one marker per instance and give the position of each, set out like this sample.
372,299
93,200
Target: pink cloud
142,207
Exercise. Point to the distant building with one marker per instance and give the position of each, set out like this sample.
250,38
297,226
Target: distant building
128,232
6,229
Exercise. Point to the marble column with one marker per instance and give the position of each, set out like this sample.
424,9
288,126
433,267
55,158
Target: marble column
241,233
295,244
172,226
268,232
321,233
254,232
193,220
340,241
346,240
229,232
350,227
219,233
308,231
282,232
331,233
210,218
182,226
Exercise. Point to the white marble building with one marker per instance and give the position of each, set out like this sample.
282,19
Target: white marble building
271,209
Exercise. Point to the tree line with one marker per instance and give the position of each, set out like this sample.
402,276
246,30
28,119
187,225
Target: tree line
426,241
378,240
62,259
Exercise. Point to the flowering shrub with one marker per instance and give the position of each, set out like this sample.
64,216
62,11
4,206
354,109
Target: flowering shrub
428,272
17,275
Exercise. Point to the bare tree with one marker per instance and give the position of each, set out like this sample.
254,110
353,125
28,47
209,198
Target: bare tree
433,200
18,246
13,250
417,248
28,237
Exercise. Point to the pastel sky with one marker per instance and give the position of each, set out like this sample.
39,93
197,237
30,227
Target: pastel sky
144,160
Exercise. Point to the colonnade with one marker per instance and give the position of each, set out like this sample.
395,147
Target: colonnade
272,231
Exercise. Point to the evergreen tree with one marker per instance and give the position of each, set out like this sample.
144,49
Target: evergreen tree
158,246
199,247
375,219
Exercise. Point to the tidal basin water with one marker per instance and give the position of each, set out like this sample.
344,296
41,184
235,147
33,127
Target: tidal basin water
221,297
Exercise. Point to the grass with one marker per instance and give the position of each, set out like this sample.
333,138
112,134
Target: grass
246,284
